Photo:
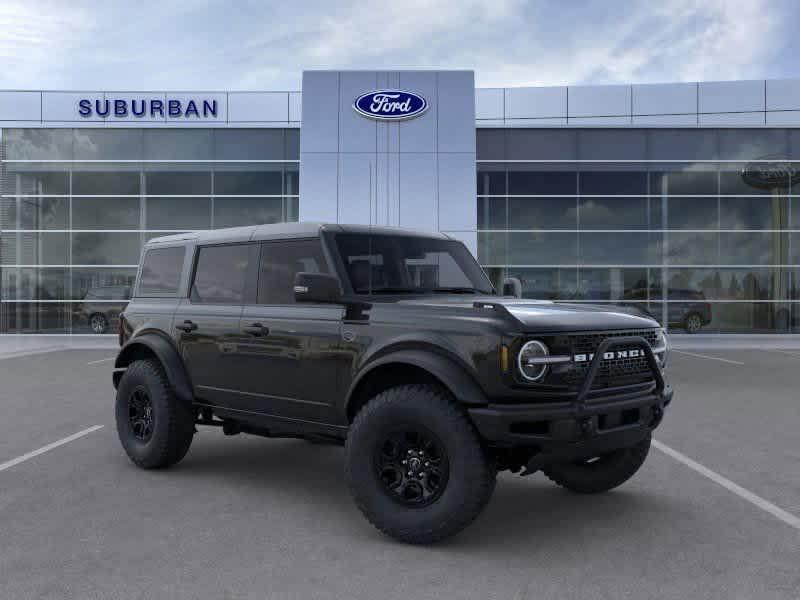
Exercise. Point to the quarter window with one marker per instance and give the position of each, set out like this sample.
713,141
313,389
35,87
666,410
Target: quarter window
219,277
280,262
161,271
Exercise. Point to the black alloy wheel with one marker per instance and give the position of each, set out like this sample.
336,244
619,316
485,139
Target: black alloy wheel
140,413
412,465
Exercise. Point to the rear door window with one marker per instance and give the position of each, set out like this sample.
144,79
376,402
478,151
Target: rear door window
220,274
161,271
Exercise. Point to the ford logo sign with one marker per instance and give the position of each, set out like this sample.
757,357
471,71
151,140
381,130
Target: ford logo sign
390,105
771,172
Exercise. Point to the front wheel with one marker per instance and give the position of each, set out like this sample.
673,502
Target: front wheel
415,465
98,323
693,323
600,473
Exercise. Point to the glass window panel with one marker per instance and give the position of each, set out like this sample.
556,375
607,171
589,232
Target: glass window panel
492,248
754,248
547,284
32,317
108,283
542,183
752,317
280,262
491,182
98,248
232,212
292,141
178,144
42,213
107,144
37,144
693,284
620,248
105,182
754,284
161,271
692,312
178,213
292,210
691,198
682,144
35,183
692,248
249,144
751,143
35,284
612,284
490,144
541,144
492,213
536,248
163,183
613,213
611,144
243,183
220,274
613,183
34,248
105,213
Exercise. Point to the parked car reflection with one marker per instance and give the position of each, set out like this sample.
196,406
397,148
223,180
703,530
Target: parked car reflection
101,307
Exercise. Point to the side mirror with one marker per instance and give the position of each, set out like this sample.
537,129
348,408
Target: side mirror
512,286
317,287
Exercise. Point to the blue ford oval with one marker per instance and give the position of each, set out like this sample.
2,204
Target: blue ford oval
390,105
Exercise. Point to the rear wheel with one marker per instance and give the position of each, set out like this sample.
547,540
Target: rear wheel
693,323
415,465
600,473
154,426
98,323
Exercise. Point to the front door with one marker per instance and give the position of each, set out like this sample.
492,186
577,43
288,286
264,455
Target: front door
290,363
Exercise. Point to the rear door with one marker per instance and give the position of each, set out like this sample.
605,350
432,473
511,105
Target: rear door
289,365
207,322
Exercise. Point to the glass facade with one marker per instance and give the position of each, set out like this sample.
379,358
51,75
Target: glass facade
76,206
698,226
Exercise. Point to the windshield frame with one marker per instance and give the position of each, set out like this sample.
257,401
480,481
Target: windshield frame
471,270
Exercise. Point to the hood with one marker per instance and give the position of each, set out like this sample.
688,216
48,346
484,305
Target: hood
546,316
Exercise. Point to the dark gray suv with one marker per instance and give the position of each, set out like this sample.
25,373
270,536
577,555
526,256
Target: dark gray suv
395,344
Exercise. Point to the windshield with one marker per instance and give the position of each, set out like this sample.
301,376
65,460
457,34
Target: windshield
403,264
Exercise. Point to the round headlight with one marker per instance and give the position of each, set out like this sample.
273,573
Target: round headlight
529,360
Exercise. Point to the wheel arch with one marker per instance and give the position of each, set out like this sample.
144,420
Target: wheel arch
154,346
412,366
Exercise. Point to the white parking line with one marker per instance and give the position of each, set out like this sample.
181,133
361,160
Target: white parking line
20,459
758,501
725,360
102,360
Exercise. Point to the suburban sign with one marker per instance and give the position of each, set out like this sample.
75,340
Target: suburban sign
200,108
390,105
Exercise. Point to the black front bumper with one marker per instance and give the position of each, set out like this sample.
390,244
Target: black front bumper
587,426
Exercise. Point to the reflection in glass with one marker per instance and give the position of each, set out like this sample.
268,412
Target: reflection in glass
105,213
546,284
620,248
177,213
542,248
105,248
613,284
233,212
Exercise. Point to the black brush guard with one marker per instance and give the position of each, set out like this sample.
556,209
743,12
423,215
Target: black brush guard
573,430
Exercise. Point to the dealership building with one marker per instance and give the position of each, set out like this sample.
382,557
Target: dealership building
683,199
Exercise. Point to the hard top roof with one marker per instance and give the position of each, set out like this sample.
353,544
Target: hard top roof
282,231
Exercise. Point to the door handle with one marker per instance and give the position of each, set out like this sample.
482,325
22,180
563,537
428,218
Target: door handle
256,329
186,326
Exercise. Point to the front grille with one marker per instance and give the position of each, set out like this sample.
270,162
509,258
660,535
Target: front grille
625,371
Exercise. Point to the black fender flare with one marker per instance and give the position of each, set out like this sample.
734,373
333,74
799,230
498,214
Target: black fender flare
167,355
453,376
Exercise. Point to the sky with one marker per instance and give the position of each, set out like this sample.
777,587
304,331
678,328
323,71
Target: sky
262,45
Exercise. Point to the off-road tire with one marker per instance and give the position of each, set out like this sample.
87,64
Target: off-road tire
471,472
605,473
173,420
693,323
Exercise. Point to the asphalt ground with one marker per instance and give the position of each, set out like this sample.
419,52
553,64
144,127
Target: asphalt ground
712,514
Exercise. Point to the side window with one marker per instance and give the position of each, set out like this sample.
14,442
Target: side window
219,276
161,271
280,262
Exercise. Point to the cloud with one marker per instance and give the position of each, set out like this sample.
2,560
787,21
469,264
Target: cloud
261,45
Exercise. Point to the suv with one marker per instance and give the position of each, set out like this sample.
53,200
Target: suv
394,344
102,306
